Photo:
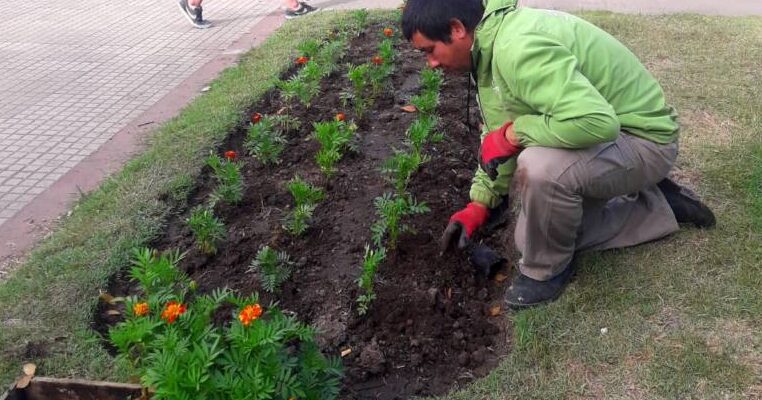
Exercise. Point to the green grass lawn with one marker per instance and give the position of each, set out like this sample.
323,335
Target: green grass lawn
681,316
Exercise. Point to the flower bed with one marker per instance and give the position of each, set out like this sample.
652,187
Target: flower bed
431,323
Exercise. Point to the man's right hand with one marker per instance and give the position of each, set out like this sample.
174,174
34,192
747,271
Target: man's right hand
462,225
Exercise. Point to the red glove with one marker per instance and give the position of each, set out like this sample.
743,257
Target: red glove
463,224
495,150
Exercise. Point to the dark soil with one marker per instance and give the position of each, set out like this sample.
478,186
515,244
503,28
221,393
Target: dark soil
430,327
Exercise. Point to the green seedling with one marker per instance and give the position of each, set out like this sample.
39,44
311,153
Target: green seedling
401,167
371,261
426,102
359,76
378,75
390,210
298,88
431,80
265,142
309,48
334,138
275,267
285,122
227,173
386,51
157,274
207,229
306,198
421,131
303,192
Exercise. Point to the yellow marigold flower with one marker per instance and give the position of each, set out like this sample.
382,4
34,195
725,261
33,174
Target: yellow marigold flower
173,310
140,309
250,313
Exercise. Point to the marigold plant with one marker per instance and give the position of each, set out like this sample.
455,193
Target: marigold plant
186,353
140,309
249,314
172,311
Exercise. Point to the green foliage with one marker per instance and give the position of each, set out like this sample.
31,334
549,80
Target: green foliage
390,210
228,175
330,54
156,273
306,198
275,267
207,229
300,88
426,102
361,17
386,51
359,76
259,354
303,192
284,122
378,77
421,131
371,261
401,167
431,80
334,138
264,141
309,48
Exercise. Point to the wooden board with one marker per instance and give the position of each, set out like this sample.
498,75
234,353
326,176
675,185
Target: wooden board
42,388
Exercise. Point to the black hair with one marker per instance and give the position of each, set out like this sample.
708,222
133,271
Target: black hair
432,17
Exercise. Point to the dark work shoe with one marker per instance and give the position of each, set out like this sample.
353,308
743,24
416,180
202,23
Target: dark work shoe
527,292
685,205
303,9
193,14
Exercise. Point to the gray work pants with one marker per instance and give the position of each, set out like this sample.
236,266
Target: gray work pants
598,198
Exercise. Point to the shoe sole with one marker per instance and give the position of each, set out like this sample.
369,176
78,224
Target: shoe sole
190,19
301,15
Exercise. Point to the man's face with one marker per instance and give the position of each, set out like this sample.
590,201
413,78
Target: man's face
451,57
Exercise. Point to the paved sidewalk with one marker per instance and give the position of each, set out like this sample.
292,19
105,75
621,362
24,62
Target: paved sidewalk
83,82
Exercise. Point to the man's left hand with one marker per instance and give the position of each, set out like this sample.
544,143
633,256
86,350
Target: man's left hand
497,147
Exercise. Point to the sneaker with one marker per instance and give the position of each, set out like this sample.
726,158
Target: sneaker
193,14
686,206
303,9
526,292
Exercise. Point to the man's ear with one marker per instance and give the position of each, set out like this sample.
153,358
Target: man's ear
457,29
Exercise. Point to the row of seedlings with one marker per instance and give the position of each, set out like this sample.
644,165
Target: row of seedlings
391,208
368,80
266,140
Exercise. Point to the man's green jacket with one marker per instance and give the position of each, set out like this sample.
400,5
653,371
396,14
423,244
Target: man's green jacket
563,82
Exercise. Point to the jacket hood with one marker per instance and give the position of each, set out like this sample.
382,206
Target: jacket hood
485,32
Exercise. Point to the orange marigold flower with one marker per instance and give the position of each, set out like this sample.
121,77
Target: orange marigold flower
388,32
231,155
250,313
173,310
378,60
140,309
302,60
340,117
256,117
